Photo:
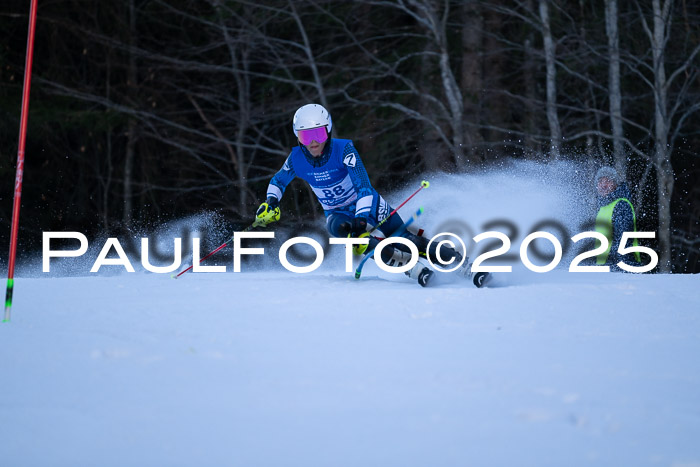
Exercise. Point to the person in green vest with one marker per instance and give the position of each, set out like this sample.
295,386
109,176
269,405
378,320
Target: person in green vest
615,216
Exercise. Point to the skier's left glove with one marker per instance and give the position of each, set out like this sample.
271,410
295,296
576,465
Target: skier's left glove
268,212
359,230
360,249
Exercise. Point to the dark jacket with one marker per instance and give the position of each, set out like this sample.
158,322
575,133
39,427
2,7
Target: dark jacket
622,221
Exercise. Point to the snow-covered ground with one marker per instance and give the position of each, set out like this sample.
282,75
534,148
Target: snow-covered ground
286,369
272,368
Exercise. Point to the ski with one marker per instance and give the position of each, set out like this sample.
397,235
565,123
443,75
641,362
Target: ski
479,279
482,278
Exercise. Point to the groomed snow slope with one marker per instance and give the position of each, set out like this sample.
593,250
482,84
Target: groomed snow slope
284,369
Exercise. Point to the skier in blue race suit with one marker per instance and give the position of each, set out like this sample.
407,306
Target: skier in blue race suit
333,169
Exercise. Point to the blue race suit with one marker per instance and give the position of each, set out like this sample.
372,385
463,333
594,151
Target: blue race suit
340,182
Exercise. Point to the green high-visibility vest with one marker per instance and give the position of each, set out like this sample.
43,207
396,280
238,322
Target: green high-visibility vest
603,224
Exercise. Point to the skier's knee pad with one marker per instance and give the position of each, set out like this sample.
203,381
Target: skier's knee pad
446,252
393,256
374,241
420,242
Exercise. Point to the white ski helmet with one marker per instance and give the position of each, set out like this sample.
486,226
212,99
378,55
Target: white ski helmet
311,116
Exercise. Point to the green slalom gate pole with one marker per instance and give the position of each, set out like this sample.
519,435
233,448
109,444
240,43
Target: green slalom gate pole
20,160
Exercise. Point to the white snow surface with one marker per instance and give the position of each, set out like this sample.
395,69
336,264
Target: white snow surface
272,368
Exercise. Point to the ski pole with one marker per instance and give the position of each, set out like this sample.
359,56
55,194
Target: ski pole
250,227
423,184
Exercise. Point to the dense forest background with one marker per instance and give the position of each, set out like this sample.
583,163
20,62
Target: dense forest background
147,110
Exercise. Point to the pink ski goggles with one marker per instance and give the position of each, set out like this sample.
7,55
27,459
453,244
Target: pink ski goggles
314,134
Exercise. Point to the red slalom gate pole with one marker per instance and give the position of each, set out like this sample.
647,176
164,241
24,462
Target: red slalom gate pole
423,184
250,227
20,159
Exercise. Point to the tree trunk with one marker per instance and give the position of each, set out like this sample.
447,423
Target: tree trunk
531,109
454,100
549,54
662,156
435,155
615,94
318,82
239,69
106,179
471,84
497,111
131,132
453,94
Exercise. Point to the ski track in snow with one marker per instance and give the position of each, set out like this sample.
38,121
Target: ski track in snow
271,368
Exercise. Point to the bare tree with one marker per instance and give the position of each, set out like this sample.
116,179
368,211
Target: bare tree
615,93
667,110
529,70
131,134
471,76
432,19
550,60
